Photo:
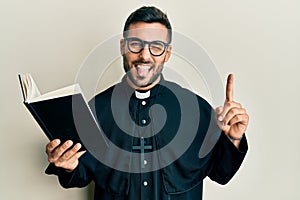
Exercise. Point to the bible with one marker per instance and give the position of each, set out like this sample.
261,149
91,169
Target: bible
63,113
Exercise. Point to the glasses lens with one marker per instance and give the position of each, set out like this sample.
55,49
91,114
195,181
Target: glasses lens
157,47
135,45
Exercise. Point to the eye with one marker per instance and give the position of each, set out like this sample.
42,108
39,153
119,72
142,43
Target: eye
135,43
157,45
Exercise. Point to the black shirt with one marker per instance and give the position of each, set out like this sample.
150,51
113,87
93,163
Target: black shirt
171,125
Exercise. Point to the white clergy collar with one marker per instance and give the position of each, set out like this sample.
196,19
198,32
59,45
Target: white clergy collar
142,95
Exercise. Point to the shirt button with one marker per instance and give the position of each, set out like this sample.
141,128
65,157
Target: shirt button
143,103
144,121
145,162
145,183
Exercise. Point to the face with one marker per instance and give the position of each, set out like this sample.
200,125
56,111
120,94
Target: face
143,69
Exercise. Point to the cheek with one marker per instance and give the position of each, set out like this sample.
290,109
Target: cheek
131,57
159,68
159,62
127,62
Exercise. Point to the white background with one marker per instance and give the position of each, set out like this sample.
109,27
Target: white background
258,41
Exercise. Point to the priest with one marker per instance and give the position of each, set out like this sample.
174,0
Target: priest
163,139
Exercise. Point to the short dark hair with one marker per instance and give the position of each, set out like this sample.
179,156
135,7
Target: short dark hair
148,14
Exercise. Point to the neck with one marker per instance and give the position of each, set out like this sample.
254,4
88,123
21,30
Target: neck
148,87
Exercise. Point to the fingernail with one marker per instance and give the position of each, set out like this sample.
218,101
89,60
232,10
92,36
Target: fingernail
220,118
57,141
78,146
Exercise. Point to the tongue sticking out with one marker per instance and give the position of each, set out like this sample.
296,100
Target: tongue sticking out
143,70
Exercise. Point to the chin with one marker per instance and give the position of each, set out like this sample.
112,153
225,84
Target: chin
142,84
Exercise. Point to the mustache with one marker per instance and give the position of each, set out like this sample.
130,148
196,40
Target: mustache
142,62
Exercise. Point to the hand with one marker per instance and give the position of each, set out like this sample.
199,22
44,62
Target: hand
232,118
62,155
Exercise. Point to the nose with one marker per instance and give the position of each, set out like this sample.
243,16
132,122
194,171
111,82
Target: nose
145,53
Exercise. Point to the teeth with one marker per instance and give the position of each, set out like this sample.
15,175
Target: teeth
144,66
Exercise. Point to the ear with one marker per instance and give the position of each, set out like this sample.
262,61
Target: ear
122,46
168,53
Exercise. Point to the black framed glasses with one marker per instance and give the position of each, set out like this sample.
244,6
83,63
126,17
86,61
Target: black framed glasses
156,47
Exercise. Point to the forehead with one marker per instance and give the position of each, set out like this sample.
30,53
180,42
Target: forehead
148,31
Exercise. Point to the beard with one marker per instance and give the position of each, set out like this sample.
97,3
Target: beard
139,80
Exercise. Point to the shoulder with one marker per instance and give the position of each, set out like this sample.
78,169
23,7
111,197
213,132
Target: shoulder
185,94
102,98
105,93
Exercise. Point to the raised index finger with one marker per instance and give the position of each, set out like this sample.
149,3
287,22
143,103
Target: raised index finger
229,88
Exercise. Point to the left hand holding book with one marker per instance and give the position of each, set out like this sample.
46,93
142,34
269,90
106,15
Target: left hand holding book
62,114
64,155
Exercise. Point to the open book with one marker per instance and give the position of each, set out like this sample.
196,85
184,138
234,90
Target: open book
62,114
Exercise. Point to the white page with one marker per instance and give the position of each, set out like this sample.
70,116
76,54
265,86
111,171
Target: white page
66,91
32,89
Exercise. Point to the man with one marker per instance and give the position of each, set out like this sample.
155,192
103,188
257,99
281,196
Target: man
176,171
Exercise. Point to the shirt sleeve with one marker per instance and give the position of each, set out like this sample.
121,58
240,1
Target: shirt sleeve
79,177
227,159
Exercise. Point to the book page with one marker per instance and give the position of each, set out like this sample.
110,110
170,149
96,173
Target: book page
32,89
66,91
